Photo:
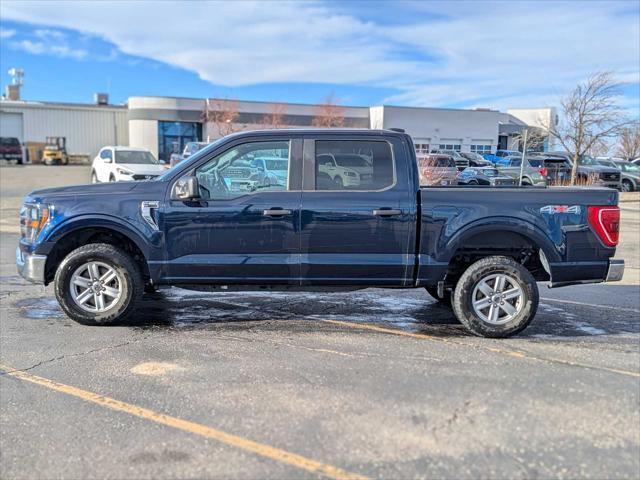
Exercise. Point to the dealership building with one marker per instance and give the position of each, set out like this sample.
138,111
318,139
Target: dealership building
165,124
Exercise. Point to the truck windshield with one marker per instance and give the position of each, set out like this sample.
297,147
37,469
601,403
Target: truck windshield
135,157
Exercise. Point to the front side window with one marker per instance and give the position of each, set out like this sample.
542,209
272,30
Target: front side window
354,165
240,171
105,154
135,157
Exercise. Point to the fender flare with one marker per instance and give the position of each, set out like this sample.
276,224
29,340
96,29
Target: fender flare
109,222
509,224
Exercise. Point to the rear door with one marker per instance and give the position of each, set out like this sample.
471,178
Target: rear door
361,232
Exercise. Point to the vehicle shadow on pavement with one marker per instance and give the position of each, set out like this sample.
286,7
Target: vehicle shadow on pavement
412,311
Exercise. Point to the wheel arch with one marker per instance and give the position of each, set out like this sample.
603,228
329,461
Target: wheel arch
73,235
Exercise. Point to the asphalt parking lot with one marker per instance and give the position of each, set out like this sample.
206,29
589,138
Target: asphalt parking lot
372,384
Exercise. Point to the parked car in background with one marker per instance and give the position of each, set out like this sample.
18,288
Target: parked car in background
346,169
635,161
484,176
558,169
500,155
589,170
461,161
533,175
275,169
11,150
437,169
119,164
629,173
476,160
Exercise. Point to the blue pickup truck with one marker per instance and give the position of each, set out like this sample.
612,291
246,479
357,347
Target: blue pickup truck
480,250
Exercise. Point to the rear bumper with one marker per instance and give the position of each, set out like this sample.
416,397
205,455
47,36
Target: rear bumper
30,266
615,271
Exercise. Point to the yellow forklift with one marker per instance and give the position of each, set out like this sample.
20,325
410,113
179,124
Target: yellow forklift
55,151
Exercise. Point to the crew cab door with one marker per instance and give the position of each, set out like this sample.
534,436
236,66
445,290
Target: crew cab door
245,227
360,231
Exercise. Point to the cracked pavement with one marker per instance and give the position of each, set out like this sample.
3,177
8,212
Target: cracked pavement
385,384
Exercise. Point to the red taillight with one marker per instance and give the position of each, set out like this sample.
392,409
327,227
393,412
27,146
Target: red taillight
543,171
605,221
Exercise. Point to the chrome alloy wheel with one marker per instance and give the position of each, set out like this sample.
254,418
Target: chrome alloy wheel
96,287
497,299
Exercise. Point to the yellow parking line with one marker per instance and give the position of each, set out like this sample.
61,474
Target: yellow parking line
261,449
502,351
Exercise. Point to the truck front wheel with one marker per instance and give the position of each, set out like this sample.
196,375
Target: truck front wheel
495,297
98,284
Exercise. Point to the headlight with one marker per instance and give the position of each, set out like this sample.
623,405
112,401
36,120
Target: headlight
33,218
122,171
350,174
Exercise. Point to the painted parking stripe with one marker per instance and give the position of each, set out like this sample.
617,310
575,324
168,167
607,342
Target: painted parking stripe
607,307
261,449
502,351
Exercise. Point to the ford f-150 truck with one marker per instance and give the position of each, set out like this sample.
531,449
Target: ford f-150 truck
479,249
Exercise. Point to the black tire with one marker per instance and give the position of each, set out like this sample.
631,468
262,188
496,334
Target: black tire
473,182
121,262
94,177
526,183
464,292
627,186
445,300
112,178
150,288
338,183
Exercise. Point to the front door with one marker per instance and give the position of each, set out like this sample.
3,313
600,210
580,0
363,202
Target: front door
245,227
358,217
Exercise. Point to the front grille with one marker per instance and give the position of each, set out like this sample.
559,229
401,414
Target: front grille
613,177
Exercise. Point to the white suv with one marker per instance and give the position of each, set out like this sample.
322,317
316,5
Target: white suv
118,164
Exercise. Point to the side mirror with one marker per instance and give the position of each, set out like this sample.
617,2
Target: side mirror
185,189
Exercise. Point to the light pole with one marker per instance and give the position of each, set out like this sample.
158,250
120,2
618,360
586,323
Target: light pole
524,152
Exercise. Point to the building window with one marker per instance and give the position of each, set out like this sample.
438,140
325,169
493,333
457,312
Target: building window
481,149
173,136
422,148
449,146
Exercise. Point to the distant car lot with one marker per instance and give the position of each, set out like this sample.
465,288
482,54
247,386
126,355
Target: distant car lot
295,385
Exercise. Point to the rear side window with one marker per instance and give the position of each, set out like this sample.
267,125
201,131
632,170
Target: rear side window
353,165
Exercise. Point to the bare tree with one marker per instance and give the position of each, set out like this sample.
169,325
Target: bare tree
629,142
275,117
223,114
329,114
590,114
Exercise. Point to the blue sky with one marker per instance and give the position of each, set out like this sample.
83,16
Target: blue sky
439,54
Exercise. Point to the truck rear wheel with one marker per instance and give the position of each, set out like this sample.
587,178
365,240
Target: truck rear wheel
495,297
98,284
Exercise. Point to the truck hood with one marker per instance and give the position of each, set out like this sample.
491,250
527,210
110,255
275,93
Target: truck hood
153,188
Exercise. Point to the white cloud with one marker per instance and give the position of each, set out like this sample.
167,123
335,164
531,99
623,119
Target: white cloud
489,54
7,33
44,48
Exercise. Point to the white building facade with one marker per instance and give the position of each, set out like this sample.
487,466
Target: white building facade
165,124
86,127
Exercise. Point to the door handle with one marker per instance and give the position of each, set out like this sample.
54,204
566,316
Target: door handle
387,212
276,212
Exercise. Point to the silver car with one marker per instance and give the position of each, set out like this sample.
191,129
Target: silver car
629,173
436,169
